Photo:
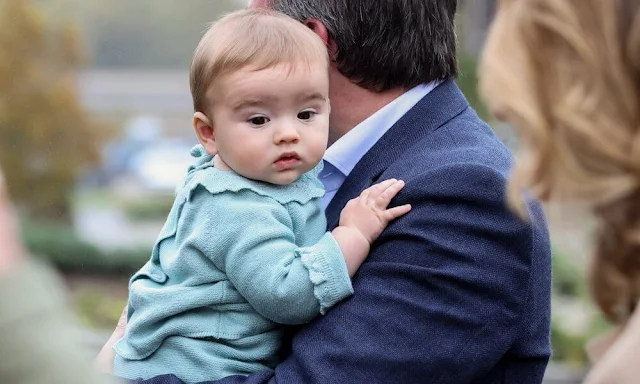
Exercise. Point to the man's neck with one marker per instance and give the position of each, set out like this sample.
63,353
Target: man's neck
353,104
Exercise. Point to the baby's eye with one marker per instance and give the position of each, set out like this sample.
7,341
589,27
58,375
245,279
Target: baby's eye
258,120
306,115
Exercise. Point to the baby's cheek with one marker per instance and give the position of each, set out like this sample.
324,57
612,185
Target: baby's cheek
254,159
319,144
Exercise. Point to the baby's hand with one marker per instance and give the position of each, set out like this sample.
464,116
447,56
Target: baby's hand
368,213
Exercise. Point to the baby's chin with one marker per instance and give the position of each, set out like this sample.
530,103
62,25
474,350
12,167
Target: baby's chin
279,178
283,178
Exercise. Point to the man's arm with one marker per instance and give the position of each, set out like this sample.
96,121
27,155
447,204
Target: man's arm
439,299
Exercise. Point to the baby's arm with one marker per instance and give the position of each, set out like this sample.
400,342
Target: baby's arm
250,239
281,281
363,219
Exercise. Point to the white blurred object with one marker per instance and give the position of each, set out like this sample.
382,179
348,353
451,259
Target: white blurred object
144,128
161,166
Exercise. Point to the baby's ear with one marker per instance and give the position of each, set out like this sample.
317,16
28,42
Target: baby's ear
205,132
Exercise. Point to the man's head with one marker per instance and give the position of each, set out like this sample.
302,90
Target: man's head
260,87
378,48
384,44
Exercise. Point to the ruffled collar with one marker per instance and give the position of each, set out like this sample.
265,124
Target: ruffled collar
203,173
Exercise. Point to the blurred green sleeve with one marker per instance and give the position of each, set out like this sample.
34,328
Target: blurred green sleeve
40,341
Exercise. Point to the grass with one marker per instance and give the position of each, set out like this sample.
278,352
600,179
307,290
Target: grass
98,300
97,311
96,198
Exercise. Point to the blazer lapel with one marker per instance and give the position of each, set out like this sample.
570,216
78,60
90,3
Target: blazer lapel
435,109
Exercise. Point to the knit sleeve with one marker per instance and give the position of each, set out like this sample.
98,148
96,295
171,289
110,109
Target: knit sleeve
281,281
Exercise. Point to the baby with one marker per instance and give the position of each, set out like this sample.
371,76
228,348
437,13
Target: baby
245,247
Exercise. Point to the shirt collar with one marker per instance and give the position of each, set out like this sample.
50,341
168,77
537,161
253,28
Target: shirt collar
347,151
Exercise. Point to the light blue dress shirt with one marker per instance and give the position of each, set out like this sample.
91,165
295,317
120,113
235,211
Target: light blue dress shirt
343,155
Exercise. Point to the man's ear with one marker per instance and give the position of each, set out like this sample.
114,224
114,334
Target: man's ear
321,30
205,132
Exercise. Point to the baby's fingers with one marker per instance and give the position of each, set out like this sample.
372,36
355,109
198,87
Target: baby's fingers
395,212
388,194
375,191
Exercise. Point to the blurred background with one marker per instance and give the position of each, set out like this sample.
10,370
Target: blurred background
95,133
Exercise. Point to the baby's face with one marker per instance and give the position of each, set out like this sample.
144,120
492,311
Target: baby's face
272,125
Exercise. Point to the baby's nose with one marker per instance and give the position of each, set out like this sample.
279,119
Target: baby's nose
286,133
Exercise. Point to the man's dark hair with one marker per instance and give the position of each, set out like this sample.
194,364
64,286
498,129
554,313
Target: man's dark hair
384,44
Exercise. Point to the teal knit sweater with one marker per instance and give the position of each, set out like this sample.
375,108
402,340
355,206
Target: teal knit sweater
235,259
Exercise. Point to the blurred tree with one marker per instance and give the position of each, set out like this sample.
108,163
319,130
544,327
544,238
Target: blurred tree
46,139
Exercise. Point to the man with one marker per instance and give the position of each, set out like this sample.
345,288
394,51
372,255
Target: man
458,290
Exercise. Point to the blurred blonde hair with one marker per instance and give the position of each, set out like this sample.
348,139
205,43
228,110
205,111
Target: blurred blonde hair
259,38
567,75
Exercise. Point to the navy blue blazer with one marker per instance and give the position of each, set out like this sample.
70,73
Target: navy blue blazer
457,291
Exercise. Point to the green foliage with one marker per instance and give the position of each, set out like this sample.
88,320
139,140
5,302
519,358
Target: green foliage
468,83
97,309
570,286
61,247
568,348
148,209
46,139
568,279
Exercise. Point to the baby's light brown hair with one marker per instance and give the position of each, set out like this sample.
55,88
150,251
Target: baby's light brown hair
258,38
